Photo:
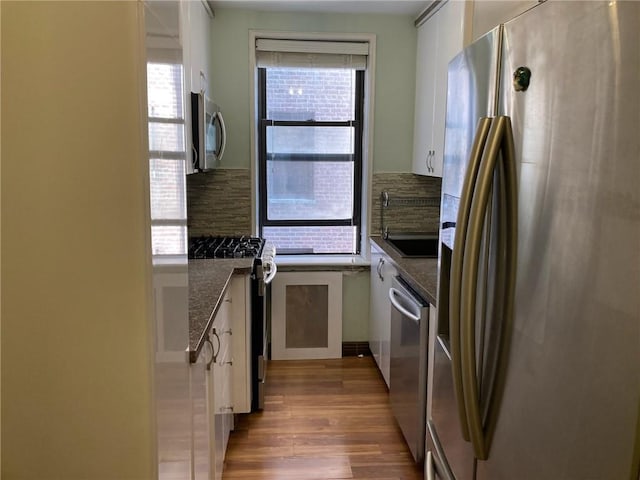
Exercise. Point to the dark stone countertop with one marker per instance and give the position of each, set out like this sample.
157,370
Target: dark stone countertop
208,280
420,273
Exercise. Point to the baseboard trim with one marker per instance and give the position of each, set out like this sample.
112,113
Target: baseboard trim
354,349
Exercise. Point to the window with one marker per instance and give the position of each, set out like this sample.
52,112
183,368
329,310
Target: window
310,151
167,158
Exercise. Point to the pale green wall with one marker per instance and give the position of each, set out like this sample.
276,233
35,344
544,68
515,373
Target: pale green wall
355,307
76,334
395,76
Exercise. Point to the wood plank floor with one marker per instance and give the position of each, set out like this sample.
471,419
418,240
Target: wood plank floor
323,419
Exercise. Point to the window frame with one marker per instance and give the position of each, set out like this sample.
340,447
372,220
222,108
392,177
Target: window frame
368,139
358,180
179,157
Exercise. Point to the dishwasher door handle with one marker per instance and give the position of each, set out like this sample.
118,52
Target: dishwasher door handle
393,293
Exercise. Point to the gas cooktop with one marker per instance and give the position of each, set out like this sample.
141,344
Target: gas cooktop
225,247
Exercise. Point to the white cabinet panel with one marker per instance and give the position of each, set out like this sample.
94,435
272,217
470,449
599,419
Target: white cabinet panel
214,377
382,273
440,38
426,60
171,299
241,343
200,388
200,25
306,315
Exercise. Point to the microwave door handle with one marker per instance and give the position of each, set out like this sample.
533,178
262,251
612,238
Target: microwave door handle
223,135
195,161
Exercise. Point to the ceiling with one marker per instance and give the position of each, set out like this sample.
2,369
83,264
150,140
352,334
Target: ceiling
396,7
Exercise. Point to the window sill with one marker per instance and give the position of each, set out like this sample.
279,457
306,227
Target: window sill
321,260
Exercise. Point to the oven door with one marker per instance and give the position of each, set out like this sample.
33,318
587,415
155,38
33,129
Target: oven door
264,273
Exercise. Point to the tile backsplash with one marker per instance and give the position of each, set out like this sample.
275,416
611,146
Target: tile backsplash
412,217
219,202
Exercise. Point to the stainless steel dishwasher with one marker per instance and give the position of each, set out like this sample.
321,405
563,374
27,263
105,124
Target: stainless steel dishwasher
408,373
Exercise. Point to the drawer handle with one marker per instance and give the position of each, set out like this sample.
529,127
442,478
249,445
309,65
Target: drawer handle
214,358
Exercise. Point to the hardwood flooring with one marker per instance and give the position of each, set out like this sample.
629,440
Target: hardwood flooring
323,419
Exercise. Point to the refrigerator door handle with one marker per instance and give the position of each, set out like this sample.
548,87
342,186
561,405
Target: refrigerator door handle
429,467
482,131
500,140
506,281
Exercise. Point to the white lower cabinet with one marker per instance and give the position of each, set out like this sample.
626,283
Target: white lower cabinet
220,380
200,387
220,402
382,273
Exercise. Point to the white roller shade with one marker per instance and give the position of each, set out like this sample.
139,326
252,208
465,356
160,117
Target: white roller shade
311,53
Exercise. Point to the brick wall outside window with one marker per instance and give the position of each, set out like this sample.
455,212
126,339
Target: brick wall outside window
319,95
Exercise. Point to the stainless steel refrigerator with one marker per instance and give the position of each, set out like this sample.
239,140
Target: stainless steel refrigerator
537,352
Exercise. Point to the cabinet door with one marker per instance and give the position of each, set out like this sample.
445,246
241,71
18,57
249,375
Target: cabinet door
382,273
451,34
376,293
241,347
388,271
199,28
202,414
426,55
220,401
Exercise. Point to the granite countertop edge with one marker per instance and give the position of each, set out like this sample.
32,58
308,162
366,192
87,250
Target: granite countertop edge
420,273
208,282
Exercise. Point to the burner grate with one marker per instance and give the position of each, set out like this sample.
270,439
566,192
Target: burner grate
225,247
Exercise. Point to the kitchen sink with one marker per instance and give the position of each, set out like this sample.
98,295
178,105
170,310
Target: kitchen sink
426,247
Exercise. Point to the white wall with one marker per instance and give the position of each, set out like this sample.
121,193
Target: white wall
76,348
394,80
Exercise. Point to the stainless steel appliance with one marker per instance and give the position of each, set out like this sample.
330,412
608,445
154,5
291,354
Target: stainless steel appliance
263,272
408,370
537,355
208,132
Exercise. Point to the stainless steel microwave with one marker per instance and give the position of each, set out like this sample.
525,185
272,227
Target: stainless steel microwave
208,132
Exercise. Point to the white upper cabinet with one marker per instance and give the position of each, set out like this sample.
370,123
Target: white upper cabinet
195,34
440,38
199,38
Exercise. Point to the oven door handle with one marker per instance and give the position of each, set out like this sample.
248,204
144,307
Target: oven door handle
273,269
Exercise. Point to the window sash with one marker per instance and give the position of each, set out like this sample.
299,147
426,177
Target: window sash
356,157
